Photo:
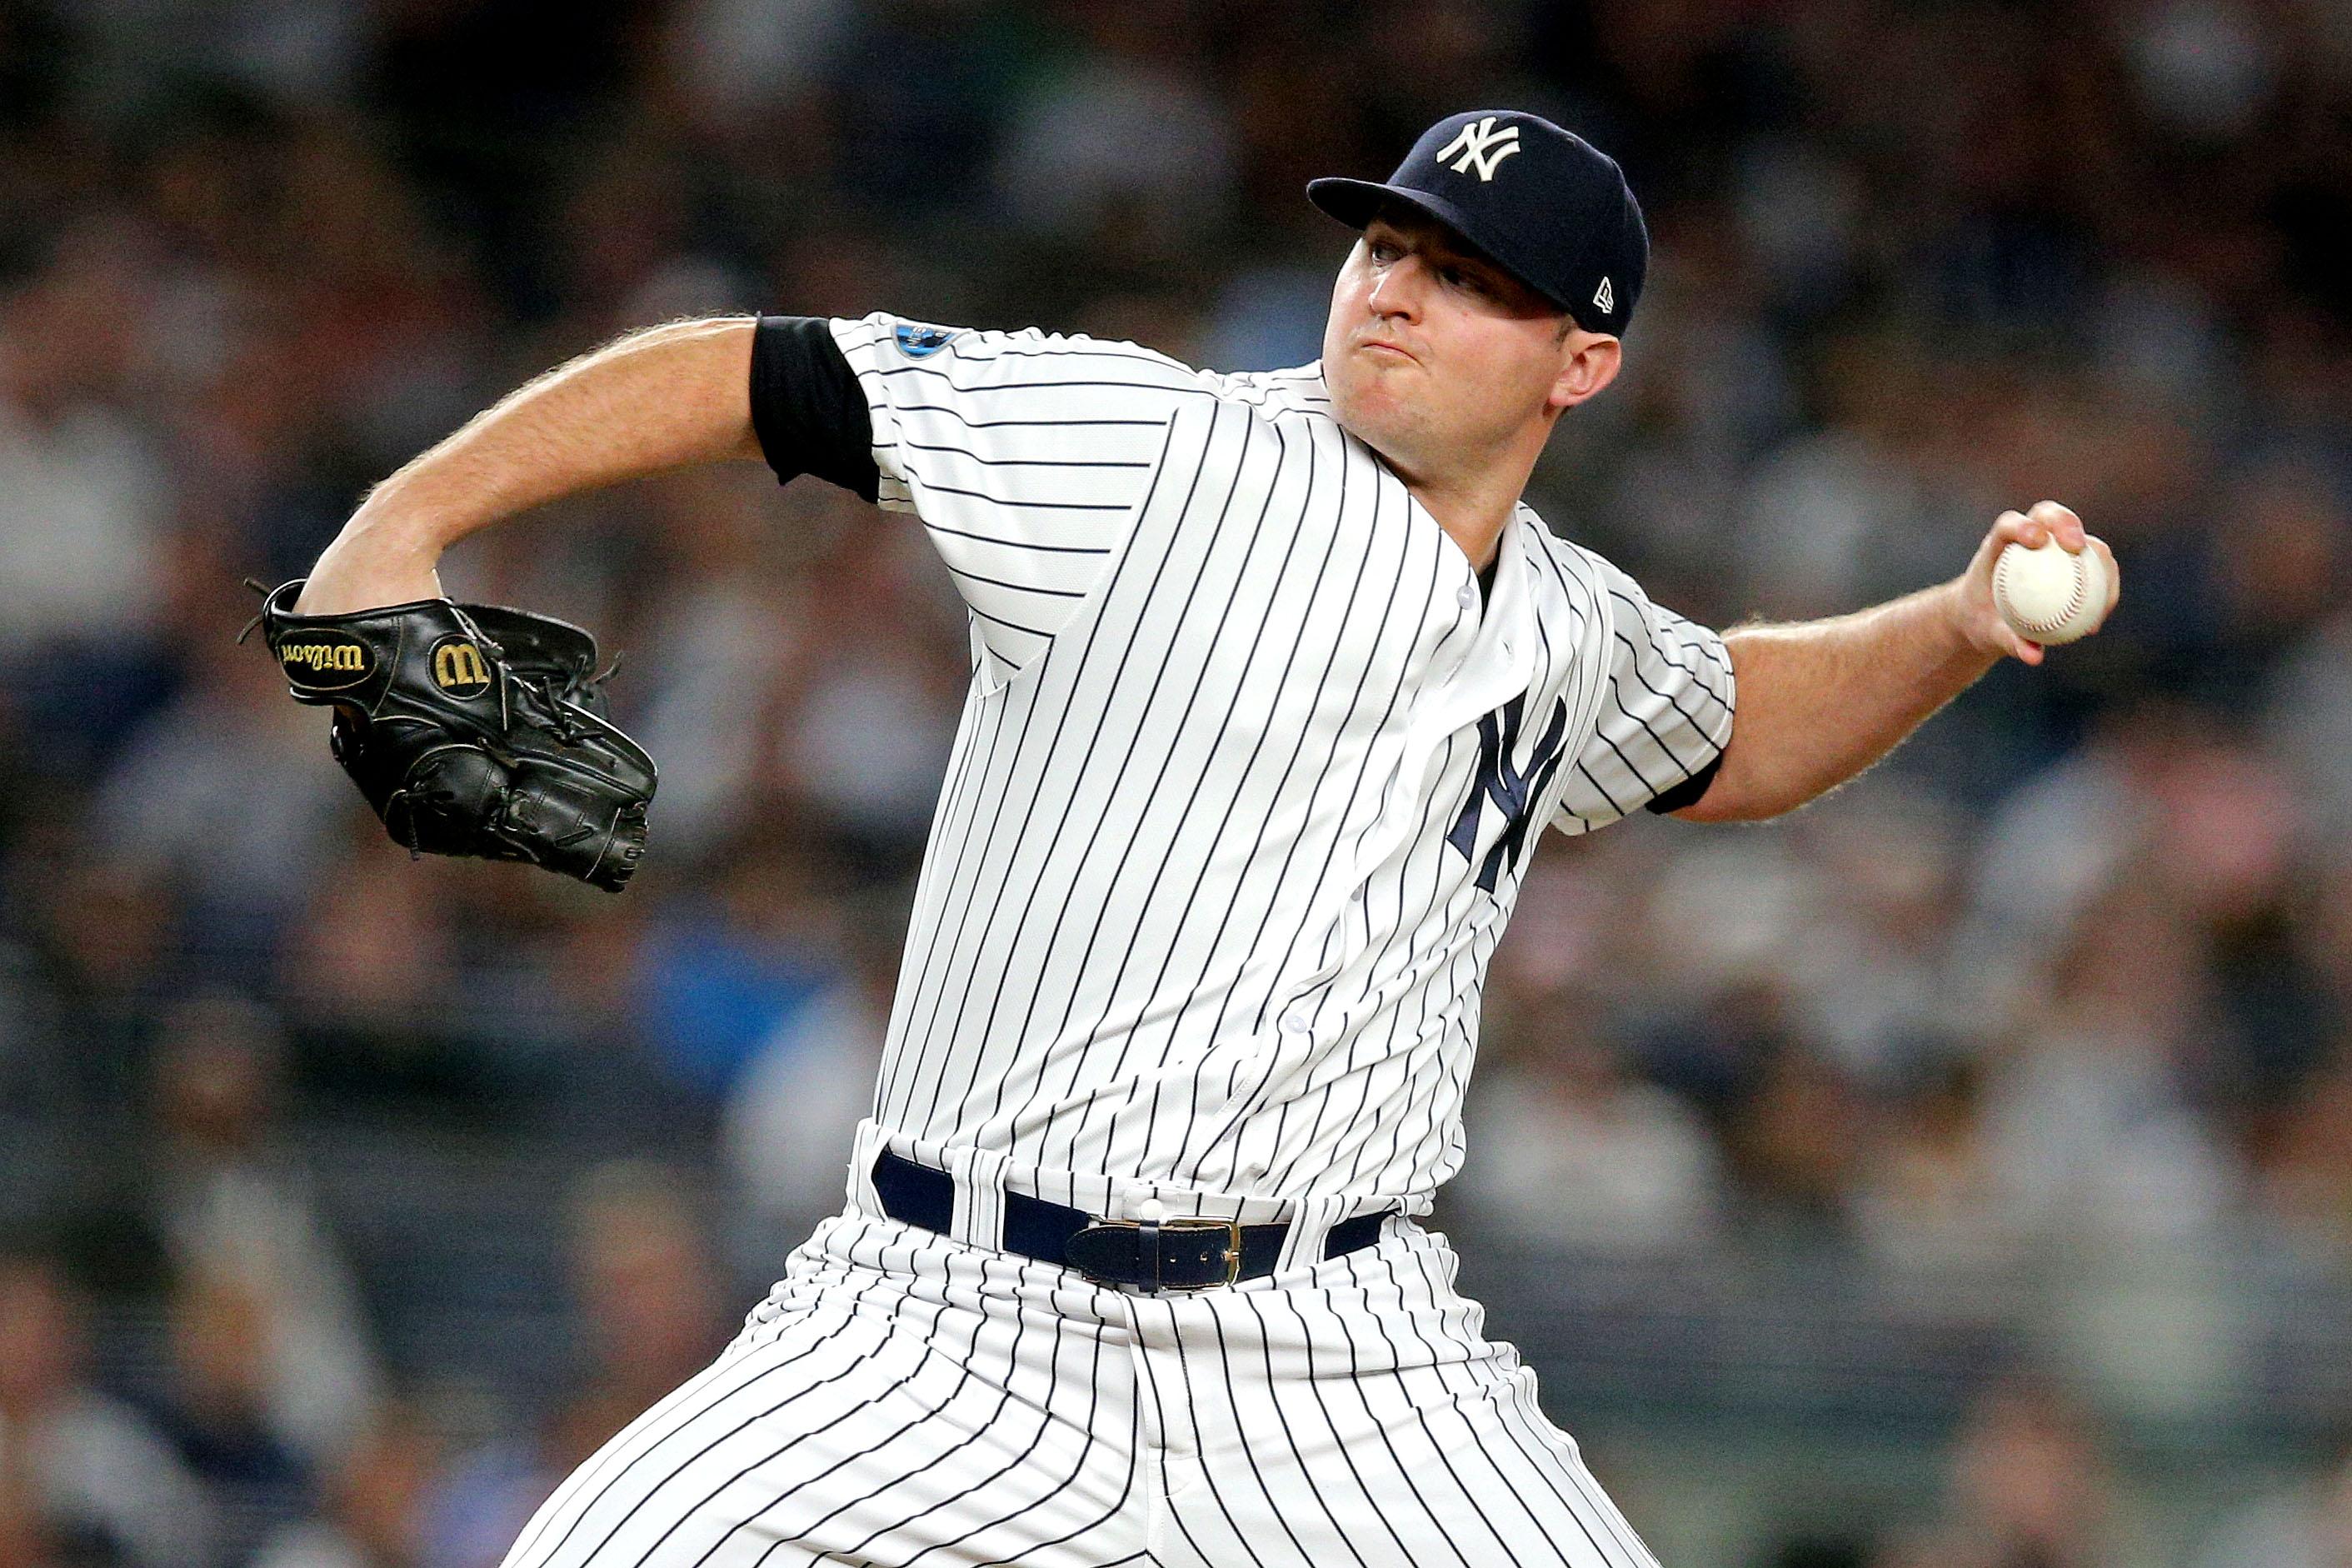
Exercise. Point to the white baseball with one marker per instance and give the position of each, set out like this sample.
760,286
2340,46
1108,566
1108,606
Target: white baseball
2049,594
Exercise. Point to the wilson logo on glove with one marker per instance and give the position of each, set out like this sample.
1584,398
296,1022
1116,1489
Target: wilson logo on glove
325,661
457,667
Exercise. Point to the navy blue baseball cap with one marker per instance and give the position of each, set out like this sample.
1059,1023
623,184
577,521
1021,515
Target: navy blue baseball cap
1546,204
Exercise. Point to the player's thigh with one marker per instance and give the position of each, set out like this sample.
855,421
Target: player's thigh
1361,1419
877,1420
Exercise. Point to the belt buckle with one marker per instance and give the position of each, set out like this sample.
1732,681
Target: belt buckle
1233,1229
1147,1245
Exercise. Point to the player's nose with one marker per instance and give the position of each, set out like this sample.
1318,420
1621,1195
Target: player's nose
1399,289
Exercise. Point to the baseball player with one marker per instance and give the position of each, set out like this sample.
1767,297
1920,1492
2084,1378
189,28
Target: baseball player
1275,680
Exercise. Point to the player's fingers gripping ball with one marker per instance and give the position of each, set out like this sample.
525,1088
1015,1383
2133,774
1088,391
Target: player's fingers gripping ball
473,731
2048,592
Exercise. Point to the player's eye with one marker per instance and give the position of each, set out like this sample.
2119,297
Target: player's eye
1382,249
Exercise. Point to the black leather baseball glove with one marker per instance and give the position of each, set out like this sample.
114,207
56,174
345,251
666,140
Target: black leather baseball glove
473,730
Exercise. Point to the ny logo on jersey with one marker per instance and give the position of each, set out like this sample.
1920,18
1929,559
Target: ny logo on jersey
1514,793
1480,143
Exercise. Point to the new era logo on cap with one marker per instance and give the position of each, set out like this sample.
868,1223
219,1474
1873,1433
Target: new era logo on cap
1482,147
1605,297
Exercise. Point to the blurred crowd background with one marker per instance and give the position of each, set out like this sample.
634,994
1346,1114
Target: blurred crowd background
1957,1175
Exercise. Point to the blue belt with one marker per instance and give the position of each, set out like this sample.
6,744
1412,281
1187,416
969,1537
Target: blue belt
1169,1254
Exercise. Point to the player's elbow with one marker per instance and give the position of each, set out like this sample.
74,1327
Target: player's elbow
714,378
1739,793
1720,805
682,390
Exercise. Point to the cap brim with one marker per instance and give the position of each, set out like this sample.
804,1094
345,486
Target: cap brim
1355,203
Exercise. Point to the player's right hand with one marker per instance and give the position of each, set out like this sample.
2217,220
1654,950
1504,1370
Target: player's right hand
1980,620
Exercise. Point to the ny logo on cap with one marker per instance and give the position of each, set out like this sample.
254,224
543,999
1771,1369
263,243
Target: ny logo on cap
1480,143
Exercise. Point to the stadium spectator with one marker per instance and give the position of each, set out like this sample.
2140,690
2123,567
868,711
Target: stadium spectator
242,1219
218,1415
786,1131
94,1478
648,1292
372,1513
1568,1145
2028,1485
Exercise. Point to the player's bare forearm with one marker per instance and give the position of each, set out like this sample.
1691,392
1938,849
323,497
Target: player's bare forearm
1822,700
659,399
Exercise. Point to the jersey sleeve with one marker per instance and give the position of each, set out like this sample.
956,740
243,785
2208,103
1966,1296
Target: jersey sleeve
1666,712
1026,457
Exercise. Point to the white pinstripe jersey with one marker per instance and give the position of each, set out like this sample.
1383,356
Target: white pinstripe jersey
1246,774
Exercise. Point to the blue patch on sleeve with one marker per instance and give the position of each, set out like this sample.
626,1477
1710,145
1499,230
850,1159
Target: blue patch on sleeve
919,342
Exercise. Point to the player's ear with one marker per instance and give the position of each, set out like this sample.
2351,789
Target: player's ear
1588,362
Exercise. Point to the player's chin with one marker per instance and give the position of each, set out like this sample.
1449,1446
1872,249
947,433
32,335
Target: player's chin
1367,421
1366,405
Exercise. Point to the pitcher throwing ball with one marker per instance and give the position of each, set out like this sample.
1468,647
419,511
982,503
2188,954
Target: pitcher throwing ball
1276,682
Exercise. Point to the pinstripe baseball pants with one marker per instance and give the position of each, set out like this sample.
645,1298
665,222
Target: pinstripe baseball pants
902,1398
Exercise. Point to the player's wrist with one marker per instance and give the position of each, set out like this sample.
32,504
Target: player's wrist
363,569
1965,619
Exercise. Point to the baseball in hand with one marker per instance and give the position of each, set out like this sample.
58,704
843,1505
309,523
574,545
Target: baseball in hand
2049,593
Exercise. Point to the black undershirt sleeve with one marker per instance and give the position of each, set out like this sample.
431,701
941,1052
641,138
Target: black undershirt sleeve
806,406
1687,792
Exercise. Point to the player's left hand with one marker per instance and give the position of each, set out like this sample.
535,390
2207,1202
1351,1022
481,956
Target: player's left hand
1980,622
473,730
